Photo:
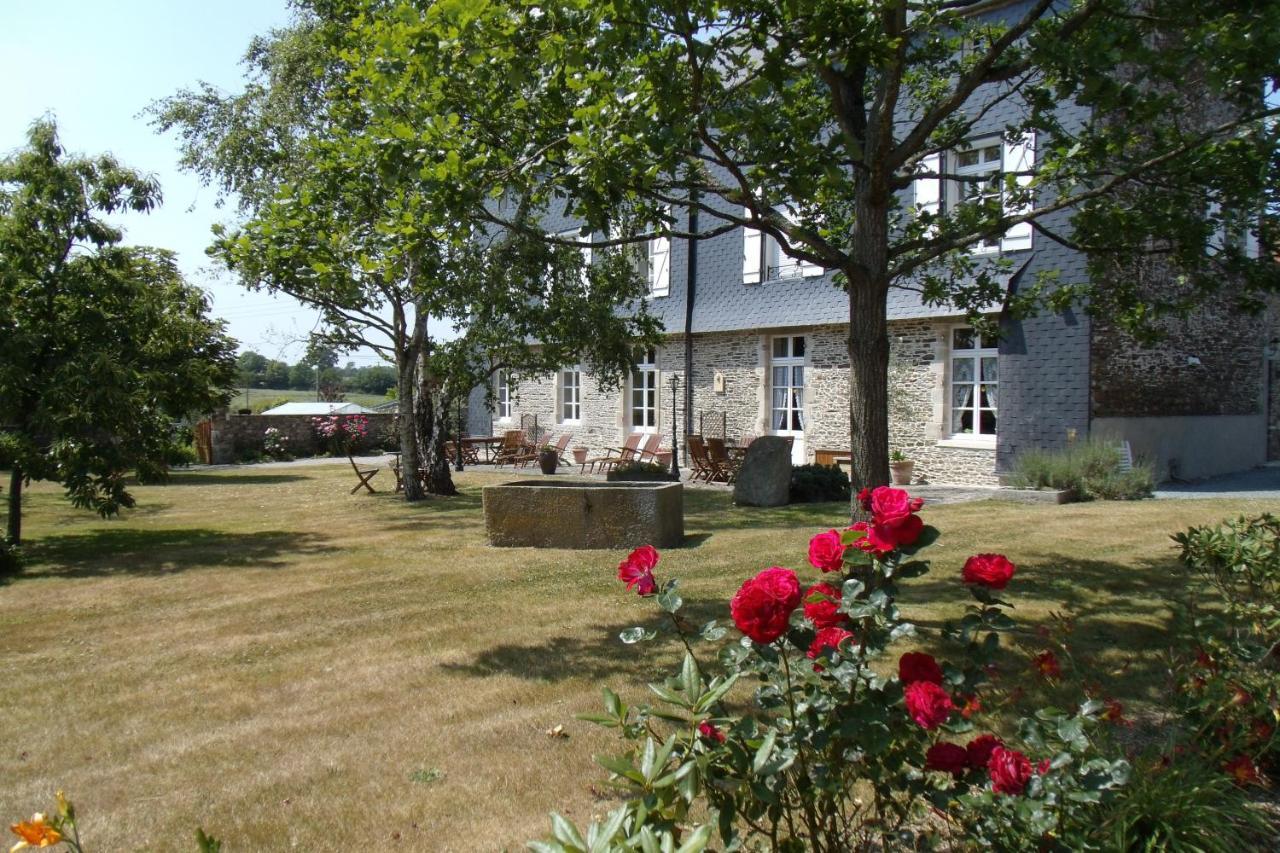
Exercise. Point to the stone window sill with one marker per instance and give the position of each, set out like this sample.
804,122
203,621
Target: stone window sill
969,443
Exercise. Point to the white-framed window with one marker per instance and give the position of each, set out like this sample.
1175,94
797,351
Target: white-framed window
643,408
974,381
786,375
764,260
570,395
983,164
502,392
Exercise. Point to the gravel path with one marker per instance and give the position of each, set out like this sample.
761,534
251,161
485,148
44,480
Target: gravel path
1257,483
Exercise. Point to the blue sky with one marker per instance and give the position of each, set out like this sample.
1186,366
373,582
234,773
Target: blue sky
95,66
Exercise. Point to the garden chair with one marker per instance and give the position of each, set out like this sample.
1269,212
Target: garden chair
628,452
529,453
561,445
646,450
365,475
702,467
513,444
649,452
726,466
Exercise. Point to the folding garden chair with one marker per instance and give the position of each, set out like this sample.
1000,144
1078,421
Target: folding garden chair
365,475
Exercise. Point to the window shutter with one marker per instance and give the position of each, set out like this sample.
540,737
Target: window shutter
805,267
752,254
1019,156
586,264
929,190
659,266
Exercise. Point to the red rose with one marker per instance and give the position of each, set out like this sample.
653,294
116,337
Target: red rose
1043,766
821,606
928,704
893,514
980,749
947,758
970,706
989,570
762,606
710,732
827,638
864,499
874,542
918,666
637,570
826,552
1010,771
1046,663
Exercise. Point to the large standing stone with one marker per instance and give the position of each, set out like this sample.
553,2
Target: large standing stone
765,476
539,514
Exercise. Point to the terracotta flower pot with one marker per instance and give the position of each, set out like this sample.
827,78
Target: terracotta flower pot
579,455
901,472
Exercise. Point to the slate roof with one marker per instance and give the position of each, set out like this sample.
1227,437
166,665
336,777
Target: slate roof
812,301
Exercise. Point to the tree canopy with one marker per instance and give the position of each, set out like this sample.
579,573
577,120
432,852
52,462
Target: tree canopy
816,122
102,346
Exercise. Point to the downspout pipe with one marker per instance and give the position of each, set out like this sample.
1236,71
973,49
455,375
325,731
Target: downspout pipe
690,296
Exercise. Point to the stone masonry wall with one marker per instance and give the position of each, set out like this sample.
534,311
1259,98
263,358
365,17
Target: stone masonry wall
917,416
236,436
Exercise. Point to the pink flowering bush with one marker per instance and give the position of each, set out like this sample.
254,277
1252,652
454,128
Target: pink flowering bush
341,434
813,731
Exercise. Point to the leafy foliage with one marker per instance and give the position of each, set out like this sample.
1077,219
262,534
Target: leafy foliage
1087,469
819,483
102,347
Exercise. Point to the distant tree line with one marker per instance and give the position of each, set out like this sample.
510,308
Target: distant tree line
254,370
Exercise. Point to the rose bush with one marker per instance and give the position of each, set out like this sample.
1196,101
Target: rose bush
342,434
846,743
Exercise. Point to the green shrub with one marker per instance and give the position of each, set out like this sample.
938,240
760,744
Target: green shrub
1088,470
818,484
260,406
1230,683
1183,805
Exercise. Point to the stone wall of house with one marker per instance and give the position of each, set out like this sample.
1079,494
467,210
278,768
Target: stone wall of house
236,437
1273,381
740,402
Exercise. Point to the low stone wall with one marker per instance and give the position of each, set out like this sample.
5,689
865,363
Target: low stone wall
237,437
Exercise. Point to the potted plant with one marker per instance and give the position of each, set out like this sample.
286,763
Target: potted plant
579,455
901,468
643,472
548,459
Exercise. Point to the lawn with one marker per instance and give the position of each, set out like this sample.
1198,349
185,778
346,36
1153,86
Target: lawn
262,654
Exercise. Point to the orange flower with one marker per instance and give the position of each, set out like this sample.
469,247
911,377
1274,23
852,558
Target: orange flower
1242,770
1046,663
971,706
34,833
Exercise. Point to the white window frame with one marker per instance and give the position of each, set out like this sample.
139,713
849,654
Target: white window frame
975,356
793,407
502,394
657,263
1016,156
644,380
569,405
763,258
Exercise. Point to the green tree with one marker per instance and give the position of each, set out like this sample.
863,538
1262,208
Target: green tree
101,346
813,122
251,369
375,242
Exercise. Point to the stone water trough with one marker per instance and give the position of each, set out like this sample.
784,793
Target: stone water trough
539,514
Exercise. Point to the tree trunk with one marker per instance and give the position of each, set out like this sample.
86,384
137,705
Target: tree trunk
410,459
868,385
433,432
14,532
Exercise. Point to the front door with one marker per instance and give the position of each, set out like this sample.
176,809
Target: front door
786,415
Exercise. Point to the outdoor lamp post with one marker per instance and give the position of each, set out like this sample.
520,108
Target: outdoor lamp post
457,450
675,438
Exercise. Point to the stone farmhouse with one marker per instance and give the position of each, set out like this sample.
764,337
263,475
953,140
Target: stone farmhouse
765,337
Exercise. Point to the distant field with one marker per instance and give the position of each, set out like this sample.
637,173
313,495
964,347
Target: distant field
265,398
